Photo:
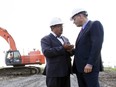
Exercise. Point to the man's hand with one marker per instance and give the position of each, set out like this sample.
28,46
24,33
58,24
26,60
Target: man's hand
68,47
88,68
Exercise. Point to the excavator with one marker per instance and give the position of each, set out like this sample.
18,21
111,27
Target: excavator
17,61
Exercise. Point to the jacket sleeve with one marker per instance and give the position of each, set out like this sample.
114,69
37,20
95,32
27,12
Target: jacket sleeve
96,35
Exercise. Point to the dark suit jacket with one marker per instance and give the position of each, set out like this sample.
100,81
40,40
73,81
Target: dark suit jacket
88,47
58,61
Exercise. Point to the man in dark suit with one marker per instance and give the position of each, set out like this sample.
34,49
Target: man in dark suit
57,50
87,54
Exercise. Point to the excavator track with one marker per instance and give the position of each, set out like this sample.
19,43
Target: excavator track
20,71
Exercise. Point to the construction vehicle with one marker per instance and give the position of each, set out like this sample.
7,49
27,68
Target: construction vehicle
18,61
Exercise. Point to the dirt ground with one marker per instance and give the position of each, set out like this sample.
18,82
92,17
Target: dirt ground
107,79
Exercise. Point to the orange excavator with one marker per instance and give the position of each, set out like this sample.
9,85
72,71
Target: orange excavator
18,61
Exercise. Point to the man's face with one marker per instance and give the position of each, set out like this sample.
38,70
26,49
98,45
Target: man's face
58,29
77,20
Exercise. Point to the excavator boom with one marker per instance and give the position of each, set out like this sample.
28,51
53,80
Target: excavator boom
8,38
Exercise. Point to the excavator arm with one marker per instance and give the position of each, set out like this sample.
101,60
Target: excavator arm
8,38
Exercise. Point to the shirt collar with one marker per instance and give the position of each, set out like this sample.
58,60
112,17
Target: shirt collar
53,34
56,35
83,27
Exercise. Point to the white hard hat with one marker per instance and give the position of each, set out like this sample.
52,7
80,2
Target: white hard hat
55,21
77,11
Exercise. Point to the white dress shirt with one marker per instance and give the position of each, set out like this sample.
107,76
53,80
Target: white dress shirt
59,38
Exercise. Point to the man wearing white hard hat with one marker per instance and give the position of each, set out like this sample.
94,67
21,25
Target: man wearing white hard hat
87,54
57,50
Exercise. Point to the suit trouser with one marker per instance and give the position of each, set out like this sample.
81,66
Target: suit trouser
88,80
58,81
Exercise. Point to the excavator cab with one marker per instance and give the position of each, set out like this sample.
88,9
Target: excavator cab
13,58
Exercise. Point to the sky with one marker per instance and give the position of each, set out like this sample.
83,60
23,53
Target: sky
28,21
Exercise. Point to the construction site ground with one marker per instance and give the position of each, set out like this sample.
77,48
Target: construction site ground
107,79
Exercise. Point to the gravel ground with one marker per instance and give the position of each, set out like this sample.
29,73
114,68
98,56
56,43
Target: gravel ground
28,81
107,79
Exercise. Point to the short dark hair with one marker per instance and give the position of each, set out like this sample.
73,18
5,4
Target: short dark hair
84,13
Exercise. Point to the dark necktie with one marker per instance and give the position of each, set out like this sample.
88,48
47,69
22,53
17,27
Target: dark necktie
60,39
81,31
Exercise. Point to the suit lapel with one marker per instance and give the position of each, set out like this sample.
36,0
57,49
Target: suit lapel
55,39
83,31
